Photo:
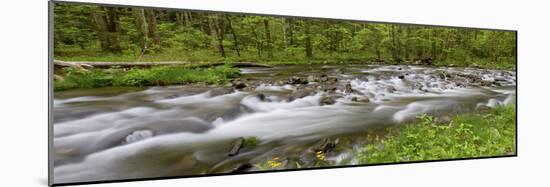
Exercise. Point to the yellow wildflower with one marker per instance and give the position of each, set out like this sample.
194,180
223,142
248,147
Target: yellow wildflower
320,155
274,163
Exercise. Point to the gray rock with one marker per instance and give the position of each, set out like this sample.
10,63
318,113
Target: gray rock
239,85
296,80
331,88
348,88
242,168
391,89
327,100
261,96
324,78
486,83
312,78
363,99
237,145
300,93
325,145
442,120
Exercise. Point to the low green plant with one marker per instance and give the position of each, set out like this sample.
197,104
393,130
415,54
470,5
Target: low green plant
251,141
157,76
466,136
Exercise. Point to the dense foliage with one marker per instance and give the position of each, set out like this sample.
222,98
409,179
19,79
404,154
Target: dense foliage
97,33
466,136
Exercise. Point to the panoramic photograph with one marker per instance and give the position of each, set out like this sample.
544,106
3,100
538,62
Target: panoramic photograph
143,93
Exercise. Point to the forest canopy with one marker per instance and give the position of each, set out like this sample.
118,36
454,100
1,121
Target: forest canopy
101,33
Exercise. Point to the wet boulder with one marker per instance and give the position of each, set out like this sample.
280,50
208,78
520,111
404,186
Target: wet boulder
296,80
332,79
487,82
442,120
237,145
441,75
330,88
312,78
348,88
261,96
361,99
242,168
391,89
279,83
242,142
325,145
327,100
300,93
239,85
323,78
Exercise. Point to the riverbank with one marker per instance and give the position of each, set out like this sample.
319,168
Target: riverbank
476,134
484,133
71,78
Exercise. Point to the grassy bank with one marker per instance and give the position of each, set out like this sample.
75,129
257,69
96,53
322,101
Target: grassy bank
466,136
157,76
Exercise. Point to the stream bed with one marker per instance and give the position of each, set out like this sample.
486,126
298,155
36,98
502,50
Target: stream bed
289,111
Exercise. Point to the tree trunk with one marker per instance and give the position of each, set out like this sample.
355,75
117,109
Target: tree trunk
187,18
214,32
268,38
377,49
106,24
179,19
152,26
408,43
142,28
290,32
256,40
235,40
283,27
309,51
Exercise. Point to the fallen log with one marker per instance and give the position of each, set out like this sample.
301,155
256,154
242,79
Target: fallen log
250,65
107,65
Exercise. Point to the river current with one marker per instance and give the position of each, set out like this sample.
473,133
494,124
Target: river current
123,133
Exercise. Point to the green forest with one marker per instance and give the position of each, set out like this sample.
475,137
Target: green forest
121,34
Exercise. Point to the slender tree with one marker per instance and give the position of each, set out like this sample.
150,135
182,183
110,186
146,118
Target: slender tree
268,39
106,22
216,34
235,40
309,50
152,26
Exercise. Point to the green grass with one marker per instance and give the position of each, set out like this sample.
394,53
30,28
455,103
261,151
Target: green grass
157,76
466,136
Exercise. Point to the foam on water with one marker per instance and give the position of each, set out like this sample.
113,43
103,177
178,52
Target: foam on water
256,104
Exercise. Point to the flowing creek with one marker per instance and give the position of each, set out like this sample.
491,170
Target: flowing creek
122,133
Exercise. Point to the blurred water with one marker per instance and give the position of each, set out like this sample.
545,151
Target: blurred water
121,133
